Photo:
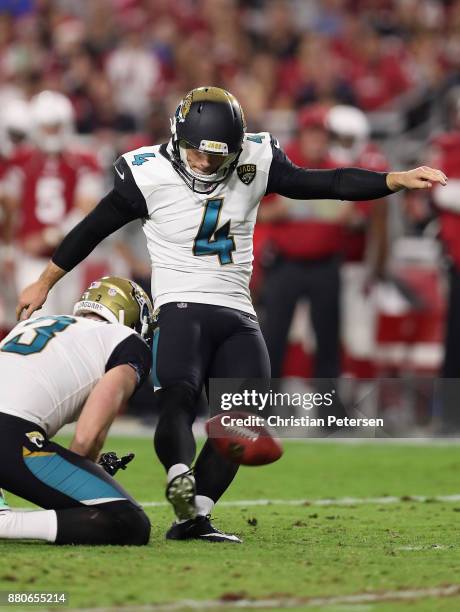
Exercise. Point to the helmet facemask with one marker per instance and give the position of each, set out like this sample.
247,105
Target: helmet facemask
210,120
204,183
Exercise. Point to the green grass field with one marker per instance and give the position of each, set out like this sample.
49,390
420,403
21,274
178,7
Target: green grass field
290,552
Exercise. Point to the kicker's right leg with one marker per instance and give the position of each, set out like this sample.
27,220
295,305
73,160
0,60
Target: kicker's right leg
181,351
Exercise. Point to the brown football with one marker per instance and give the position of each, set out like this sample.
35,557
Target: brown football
243,438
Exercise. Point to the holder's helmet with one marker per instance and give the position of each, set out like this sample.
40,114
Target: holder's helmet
118,300
210,120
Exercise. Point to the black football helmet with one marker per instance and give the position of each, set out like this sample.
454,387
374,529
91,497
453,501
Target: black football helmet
211,120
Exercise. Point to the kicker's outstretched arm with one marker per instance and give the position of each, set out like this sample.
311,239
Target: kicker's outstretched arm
356,184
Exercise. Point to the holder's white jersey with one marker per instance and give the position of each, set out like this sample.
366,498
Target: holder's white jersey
50,365
201,245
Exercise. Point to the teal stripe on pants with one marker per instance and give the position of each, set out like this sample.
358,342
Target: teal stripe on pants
69,479
156,338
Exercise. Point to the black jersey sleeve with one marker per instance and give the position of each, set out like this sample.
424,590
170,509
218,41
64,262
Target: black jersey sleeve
122,205
291,181
132,351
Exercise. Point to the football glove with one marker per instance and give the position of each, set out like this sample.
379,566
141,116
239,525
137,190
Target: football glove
111,463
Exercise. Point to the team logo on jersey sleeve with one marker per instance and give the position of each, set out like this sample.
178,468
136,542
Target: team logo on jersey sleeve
246,173
36,438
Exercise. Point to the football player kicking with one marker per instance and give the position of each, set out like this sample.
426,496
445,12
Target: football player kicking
198,196
55,370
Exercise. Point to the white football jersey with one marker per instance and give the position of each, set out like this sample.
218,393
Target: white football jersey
50,365
201,245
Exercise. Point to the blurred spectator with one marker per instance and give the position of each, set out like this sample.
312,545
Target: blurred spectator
365,239
306,241
275,29
97,109
131,247
446,153
52,186
374,68
133,72
315,74
124,64
14,134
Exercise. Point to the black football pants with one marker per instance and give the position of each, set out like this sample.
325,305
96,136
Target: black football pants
193,343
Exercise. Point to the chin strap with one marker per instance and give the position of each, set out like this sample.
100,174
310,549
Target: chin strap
179,166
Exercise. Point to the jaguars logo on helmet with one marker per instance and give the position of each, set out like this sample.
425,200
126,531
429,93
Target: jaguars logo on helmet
209,119
119,300
184,107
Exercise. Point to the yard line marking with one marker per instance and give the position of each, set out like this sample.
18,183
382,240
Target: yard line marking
287,602
339,501
426,547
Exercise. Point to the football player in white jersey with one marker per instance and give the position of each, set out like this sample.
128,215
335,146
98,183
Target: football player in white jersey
60,369
198,197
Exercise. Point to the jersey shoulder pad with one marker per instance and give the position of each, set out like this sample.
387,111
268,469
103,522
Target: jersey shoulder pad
132,350
144,165
142,161
257,148
259,138
115,332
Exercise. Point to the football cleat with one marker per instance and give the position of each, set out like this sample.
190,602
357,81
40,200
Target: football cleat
3,504
180,493
199,528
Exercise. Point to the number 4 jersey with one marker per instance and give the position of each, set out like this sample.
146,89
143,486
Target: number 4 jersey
200,245
50,365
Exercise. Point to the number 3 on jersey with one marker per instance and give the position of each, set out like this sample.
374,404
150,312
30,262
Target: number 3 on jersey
213,241
33,339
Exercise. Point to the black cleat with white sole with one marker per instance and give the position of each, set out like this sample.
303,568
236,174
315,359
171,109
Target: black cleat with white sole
180,492
199,528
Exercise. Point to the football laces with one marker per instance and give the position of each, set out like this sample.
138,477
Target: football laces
242,432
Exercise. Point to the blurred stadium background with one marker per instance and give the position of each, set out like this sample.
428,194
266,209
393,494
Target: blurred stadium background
371,83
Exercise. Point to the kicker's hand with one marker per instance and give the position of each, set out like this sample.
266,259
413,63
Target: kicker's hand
31,299
111,463
419,178
34,296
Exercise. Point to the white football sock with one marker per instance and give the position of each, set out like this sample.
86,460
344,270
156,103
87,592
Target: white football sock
34,525
176,469
204,505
